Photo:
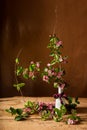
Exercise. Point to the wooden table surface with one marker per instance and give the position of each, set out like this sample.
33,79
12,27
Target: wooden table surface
7,121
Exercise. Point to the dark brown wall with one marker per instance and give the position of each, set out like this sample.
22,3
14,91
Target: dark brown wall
27,24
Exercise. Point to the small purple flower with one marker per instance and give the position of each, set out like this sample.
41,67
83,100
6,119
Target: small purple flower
65,60
45,78
59,74
48,64
72,122
62,86
59,43
56,95
50,106
37,64
64,95
54,73
27,110
31,62
45,106
60,59
49,73
31,74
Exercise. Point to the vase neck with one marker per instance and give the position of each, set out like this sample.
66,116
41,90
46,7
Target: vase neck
59,90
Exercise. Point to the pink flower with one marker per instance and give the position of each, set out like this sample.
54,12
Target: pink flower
59,74
31,62
48,64
46,69
60,59
49,73
59,43
71,122
65,60
45,78
54,73
31,74
62,86
40,107
27,110
37,64
50,106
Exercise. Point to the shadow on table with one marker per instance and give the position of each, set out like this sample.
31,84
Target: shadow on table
82,110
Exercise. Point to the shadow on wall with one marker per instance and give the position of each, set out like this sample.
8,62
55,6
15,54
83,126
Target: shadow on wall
2,24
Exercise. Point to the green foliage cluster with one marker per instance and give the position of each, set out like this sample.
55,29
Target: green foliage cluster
25,72
46,112
19,114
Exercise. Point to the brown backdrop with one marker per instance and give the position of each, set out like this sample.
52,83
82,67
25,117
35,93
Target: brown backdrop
27,24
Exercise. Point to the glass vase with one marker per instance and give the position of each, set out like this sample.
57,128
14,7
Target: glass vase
58,100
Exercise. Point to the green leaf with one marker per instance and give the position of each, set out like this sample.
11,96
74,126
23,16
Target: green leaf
17,61
11,110
59,53
63,109
32,67
38,69
51,39
73,105
19,70
33,77
26,76
19,86
25,115
45,115
70,100
55,85
36,106
49,45
19,111
57,112
57,119
53,62
19,118
56,57
76,100
52,54
29,104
